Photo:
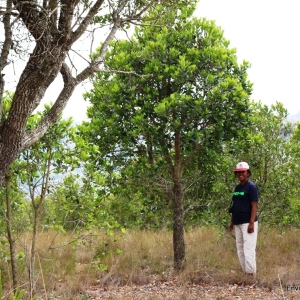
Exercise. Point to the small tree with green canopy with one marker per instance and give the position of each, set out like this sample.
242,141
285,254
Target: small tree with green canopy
292,216
45,161
13,207
268,154
270,149
13,211
190,96
77,204
36,172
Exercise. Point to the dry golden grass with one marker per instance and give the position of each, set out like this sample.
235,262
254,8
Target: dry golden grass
139,257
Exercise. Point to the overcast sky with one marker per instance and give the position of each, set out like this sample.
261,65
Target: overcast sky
265,33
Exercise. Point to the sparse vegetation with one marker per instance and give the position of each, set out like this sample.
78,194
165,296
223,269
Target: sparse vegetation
68,270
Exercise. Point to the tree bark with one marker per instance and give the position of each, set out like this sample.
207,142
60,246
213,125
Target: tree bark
178,208
178,228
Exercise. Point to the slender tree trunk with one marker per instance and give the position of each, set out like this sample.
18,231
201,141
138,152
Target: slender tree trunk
178,228
176,170
31,267
36,206
11,240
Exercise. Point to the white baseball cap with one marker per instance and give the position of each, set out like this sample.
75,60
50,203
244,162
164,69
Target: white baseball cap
241,166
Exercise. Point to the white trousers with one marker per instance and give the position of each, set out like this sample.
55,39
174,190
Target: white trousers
246,246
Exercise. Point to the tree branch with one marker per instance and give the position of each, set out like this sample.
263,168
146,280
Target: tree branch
7,44
87,21
56,110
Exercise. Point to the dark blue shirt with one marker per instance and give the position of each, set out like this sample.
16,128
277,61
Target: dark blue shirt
242,197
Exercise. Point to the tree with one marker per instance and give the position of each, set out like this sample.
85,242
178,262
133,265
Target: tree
45,160
292,212
77,205
13,206
269,148
36,171
268,151
15,218
191,96
50,30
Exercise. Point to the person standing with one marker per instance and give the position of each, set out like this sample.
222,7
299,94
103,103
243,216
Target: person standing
244,220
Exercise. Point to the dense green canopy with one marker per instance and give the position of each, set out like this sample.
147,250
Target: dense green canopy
178,94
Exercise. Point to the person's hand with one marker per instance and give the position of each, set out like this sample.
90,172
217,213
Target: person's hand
251,228
231,227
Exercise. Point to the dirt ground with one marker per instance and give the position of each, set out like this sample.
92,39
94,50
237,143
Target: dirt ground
172,291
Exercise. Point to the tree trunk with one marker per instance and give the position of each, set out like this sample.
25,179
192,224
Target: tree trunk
36,206
178,228
31,263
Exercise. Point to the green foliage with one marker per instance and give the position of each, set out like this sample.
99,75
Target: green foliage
77,203
187,98
188,80
45,162
268,154
19,204
268,149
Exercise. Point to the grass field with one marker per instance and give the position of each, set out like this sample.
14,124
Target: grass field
67,266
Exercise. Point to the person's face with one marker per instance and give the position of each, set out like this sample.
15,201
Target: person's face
242,176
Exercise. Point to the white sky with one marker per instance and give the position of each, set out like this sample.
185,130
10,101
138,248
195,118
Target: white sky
264,32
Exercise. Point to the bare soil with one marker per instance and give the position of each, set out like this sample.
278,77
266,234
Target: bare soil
172,290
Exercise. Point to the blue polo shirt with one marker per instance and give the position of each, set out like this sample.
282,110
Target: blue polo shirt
242,197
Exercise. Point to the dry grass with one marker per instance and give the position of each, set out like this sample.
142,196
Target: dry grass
139,257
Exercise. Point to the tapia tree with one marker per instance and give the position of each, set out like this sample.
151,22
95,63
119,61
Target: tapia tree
43,33
190,96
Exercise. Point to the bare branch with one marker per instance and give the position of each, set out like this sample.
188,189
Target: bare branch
7,45
86,22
